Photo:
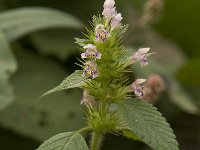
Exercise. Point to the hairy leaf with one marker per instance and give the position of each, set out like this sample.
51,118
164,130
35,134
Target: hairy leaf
148,124
65,141
72,81
19,22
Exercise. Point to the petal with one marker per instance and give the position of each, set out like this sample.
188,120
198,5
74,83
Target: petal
109,4
94,74
98,55
139,81
142,51
90,46
83,55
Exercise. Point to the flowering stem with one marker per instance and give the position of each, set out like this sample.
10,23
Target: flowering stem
96,141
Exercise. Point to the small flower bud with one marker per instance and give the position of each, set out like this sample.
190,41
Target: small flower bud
87,99
109,4
109,11
116,21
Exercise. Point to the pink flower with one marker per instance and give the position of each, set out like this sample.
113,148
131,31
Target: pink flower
91,52
116,20
109,11
137,88
109,4
140,55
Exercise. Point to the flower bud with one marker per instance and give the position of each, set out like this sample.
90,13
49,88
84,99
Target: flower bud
116,21
109,4
87,99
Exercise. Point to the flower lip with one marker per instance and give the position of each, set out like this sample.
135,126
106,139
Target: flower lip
91,52
91,69
137,88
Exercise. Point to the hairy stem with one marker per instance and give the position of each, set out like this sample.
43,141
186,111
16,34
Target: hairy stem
96,141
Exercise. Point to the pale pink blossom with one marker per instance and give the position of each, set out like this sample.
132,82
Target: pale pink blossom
140,55
91,52
116,21
109,11
137,88
109,4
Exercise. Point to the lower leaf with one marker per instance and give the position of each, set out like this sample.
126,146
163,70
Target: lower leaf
65,141
148,124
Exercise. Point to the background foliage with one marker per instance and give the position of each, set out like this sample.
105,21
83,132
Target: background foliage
37,51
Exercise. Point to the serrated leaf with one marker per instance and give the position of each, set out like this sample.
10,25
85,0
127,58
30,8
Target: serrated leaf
148,124
72,81
65,141
19,22
8,66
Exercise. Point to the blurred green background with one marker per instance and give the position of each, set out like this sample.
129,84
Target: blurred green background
37,52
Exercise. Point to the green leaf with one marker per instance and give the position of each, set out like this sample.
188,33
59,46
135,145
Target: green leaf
8,66
182,99
65,141
19,22
56,42
7,60
72,81
148,124
40,120
6,91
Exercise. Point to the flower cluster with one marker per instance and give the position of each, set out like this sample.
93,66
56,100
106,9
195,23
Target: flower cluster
101,34
111,15
101,51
